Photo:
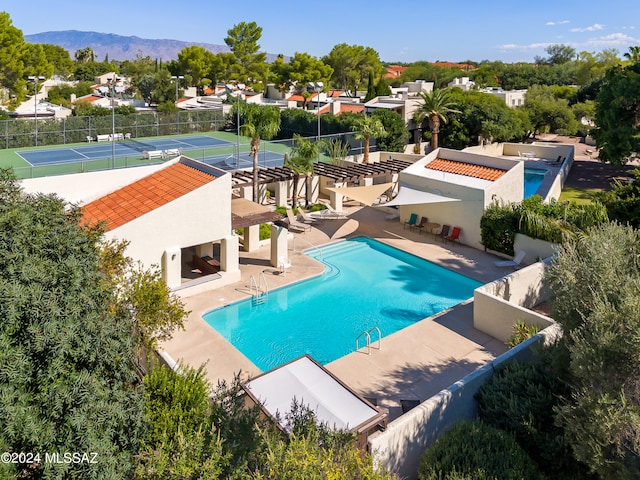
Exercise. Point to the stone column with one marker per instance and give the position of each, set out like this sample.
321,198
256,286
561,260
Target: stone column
172,267
281,193
278,244
229,255
251,238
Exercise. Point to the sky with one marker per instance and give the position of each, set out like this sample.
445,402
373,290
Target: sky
399,31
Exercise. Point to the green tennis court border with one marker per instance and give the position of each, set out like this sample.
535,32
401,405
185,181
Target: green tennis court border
10,158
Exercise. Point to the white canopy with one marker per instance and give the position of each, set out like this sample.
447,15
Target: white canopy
366,194
412,196
313,386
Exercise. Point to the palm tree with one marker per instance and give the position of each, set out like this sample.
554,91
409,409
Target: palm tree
435,107
259,122
633,54
300,162
366,127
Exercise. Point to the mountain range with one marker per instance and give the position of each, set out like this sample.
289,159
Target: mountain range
120,47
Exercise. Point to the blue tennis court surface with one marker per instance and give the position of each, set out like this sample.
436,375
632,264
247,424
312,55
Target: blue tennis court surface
126,148
245,160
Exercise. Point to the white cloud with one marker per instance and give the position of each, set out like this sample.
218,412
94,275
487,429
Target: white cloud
592,28
531,46
561,22
611,41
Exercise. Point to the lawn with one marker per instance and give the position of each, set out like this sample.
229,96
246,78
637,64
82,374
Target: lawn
580,196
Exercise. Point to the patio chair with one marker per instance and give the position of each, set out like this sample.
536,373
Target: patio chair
412,221
444,232
283,264
515,263
295,224
423,223
454,235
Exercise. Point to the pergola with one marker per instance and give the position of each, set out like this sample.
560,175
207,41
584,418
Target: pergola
350,174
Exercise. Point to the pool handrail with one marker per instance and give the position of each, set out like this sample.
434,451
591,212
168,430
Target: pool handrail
315,247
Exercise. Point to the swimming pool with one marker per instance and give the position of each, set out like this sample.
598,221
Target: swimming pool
533,178
366,284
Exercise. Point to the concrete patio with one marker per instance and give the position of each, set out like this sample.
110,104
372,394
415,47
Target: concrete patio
413,364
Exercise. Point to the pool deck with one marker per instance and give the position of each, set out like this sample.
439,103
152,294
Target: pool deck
412,364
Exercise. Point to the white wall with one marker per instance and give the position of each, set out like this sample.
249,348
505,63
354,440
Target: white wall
498,305
201,216
400,447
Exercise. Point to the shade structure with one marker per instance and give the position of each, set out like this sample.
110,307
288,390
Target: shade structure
311,385
413,196
366,194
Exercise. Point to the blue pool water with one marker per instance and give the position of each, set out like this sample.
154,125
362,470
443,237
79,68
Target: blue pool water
366,284
533,177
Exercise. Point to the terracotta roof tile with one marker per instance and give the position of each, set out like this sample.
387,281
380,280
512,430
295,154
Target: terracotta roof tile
465,168
344,108
145,195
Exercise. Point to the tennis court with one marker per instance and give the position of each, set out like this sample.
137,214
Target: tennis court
124,148
266,158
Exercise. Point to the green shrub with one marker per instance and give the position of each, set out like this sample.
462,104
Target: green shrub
520,399
317,207
471,449
551,221
521,332
265,230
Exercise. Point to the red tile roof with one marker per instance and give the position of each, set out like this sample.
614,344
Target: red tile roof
394,71
465,168
144,195
335,93
462,66
350,108
88,98
300,98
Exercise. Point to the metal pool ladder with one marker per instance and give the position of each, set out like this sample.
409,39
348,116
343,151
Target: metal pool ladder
261,294
367,334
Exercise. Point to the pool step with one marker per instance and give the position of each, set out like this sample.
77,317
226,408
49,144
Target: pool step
337,249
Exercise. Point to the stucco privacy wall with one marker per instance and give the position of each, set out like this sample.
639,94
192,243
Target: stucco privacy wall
401,445
499,304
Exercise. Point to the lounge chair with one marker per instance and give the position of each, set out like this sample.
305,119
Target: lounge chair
515,263
454,235
331,213
295,224
423,223
283,264
412,221
306,218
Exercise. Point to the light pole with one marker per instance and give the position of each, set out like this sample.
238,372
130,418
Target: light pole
229,89
177,78
112,84
35,79
317,87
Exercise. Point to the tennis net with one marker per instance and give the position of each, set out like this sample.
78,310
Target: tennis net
139,146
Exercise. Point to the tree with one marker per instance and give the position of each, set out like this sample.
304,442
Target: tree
366,127
633,55
371,88
197,62
396,130
483,118
250,64
595,280
84,55
68,382
258,122
351,65
558,54
549,111
59,57
300,161
12,73
617,117
336,150
300,70
435,107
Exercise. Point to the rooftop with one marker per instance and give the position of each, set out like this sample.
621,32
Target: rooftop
144,195
466,169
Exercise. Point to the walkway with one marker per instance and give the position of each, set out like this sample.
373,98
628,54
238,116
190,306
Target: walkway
414,363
